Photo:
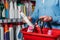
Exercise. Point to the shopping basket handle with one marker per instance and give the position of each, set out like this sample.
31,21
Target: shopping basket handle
49,25
41,24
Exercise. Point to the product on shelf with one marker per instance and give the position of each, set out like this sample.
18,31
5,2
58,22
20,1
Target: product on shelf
1,32
18,33
24,9
11,10
1,9
6,32
6,5
15,10
3,13
14,30
6,13
11,32
28,5
10,13
19,9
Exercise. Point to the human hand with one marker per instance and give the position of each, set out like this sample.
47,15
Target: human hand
46,18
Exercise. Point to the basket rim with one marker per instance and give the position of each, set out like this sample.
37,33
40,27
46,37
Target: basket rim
37,34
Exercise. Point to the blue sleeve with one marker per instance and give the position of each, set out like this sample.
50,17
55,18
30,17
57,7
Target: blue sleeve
56,18
54,12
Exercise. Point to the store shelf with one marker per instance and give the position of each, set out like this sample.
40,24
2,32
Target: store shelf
10,20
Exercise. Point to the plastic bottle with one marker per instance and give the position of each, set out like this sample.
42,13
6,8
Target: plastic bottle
6,32
6,9
11,33
1,32
27,21
1,9
3,13
14,30
18,33
28,5
15,10
11,10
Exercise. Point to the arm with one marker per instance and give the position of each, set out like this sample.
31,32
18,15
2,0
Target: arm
54,12
53,15
56,17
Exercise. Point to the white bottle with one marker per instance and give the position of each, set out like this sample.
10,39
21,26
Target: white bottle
15,10
18,33
1,32
11,11
3,13
27,20
11,32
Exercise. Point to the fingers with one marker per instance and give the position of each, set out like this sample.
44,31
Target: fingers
42,17
45,18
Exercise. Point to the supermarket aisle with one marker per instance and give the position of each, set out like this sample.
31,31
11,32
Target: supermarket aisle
11,19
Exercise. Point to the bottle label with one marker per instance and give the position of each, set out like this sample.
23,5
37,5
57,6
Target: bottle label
30,29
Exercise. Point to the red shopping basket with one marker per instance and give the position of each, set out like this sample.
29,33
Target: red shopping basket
38,36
